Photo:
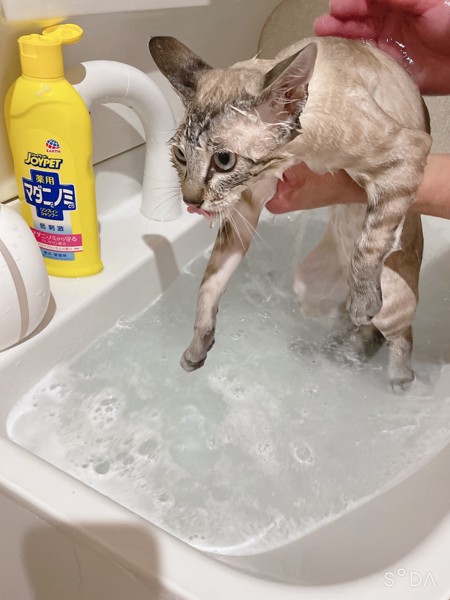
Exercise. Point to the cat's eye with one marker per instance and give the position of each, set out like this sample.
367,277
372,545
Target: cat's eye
179,155
224,161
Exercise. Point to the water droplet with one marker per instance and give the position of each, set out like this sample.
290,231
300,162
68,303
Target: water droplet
163,498
303,453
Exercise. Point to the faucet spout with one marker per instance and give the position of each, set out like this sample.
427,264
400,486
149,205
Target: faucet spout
110,81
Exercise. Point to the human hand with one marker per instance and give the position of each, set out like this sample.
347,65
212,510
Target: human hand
301,189
414,32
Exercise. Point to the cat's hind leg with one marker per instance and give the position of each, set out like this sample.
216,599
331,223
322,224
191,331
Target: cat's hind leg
394,322
399,286
401,374
391,187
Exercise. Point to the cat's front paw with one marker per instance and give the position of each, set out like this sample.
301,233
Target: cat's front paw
403,383
188,364
191,361
363,304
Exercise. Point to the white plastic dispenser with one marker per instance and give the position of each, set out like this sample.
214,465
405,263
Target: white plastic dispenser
24,282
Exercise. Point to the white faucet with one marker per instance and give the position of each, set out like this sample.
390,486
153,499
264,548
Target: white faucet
110,81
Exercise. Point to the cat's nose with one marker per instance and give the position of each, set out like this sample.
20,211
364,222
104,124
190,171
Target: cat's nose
196,202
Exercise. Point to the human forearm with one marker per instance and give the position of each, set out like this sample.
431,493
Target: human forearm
302,189
434,192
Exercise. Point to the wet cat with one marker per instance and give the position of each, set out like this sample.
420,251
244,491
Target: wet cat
333,104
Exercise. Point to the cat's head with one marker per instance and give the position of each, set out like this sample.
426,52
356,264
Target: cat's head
237,119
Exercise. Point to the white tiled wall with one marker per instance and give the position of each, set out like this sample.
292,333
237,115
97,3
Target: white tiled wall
222,32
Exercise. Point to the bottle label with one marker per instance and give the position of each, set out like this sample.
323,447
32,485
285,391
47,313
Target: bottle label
52,201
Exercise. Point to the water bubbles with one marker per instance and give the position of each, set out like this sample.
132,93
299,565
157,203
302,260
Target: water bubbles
266,314
102,467
105,408
264,448
236,335
303,453
148,447
125,458
124,323
238,392
110,403
312,390
217,380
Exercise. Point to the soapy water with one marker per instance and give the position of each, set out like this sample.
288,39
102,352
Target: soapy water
284,429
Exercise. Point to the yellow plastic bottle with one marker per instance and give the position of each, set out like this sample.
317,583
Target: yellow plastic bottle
50,135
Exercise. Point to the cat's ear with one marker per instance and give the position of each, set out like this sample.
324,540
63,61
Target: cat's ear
285,86
179,64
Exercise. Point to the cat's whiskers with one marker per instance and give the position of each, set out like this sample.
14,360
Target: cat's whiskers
171,201
250,228
238,110
235,227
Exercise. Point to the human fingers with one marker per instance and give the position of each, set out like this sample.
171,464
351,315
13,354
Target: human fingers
290,194
327,25
349,9
285,199
417,7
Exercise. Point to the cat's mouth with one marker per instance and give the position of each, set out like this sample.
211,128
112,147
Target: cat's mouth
201,211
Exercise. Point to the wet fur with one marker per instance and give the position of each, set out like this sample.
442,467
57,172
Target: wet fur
333,104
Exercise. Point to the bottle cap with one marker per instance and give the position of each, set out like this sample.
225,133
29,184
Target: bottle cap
41,54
